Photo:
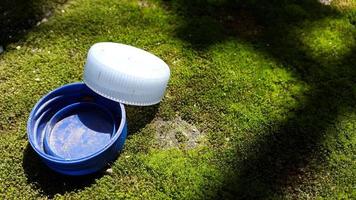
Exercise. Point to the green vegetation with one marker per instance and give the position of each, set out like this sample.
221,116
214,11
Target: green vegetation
270,86
17,16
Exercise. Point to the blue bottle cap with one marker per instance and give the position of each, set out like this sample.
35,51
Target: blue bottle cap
79,130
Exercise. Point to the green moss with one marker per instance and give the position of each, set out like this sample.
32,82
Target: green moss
275,99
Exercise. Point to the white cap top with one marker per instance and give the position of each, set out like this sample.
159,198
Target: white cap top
126,74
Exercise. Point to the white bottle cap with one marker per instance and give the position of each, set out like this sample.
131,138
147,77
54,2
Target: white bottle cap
126,74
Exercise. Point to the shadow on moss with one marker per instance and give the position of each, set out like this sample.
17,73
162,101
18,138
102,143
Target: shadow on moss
17,16
277,157
49,182
139,116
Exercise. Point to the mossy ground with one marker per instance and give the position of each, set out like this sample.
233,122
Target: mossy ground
270,85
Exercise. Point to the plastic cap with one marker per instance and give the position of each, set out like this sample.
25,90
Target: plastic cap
126,74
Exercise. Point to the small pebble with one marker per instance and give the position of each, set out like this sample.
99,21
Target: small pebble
18,47
109,171
325,2
44,20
